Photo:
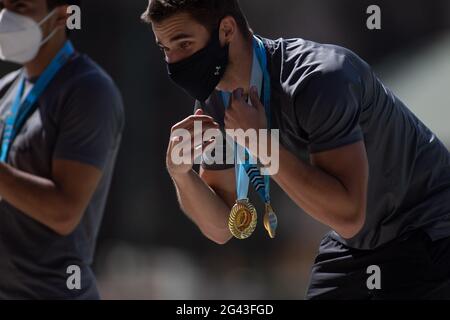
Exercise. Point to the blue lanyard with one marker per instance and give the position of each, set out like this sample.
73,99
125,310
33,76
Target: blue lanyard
245,171
262,59
21,111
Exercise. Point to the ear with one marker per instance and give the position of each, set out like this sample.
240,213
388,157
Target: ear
61,15
228,30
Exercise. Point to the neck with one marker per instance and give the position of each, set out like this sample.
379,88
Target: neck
238,74
45,55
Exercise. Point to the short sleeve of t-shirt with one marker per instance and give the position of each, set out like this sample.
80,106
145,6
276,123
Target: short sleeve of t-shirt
90,122
328,109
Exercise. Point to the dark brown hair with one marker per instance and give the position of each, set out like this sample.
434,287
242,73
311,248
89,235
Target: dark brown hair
51,4
209,13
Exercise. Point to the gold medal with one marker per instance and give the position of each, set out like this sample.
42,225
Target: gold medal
243,219
270,221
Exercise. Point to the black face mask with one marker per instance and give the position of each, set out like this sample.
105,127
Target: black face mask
200,74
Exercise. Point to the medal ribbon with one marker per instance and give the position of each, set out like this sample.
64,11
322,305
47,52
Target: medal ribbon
21,111
246,172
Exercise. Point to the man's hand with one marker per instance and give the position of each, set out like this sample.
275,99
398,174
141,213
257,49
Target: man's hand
249,117
245,116
206,200
196,151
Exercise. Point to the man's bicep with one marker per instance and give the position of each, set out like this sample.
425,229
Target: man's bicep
349,165
223,182
77,181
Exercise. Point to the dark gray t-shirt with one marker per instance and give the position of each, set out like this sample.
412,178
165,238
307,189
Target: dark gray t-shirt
325,97
80,118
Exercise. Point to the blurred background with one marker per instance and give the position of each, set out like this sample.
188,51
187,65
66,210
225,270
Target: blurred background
147,248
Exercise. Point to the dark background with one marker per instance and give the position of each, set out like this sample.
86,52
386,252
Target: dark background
147,248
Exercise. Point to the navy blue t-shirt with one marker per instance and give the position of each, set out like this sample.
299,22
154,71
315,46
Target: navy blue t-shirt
79,118
324,97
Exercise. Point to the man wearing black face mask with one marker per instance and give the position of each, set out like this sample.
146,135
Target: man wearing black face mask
61,119
337,124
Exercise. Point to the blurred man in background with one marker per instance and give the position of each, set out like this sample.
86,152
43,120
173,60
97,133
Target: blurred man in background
61,121
376,174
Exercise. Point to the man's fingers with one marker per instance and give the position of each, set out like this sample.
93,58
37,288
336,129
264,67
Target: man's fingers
175,140
208,145
227,119
205,126
197,137
189,122
192,138
198,151
192,132
254,98
199,112
237,96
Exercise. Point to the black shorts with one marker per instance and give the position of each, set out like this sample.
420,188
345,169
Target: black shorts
413,267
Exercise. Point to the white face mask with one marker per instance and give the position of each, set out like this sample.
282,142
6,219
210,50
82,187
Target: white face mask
21,37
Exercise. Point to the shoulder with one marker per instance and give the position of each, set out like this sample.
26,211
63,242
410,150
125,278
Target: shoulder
7,80
306,64
324,82
85,84
85,74
88,94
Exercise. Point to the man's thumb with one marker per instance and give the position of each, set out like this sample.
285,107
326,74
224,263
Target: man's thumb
254,98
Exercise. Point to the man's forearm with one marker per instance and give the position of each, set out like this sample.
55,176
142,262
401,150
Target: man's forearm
201,203
320,194
37,197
